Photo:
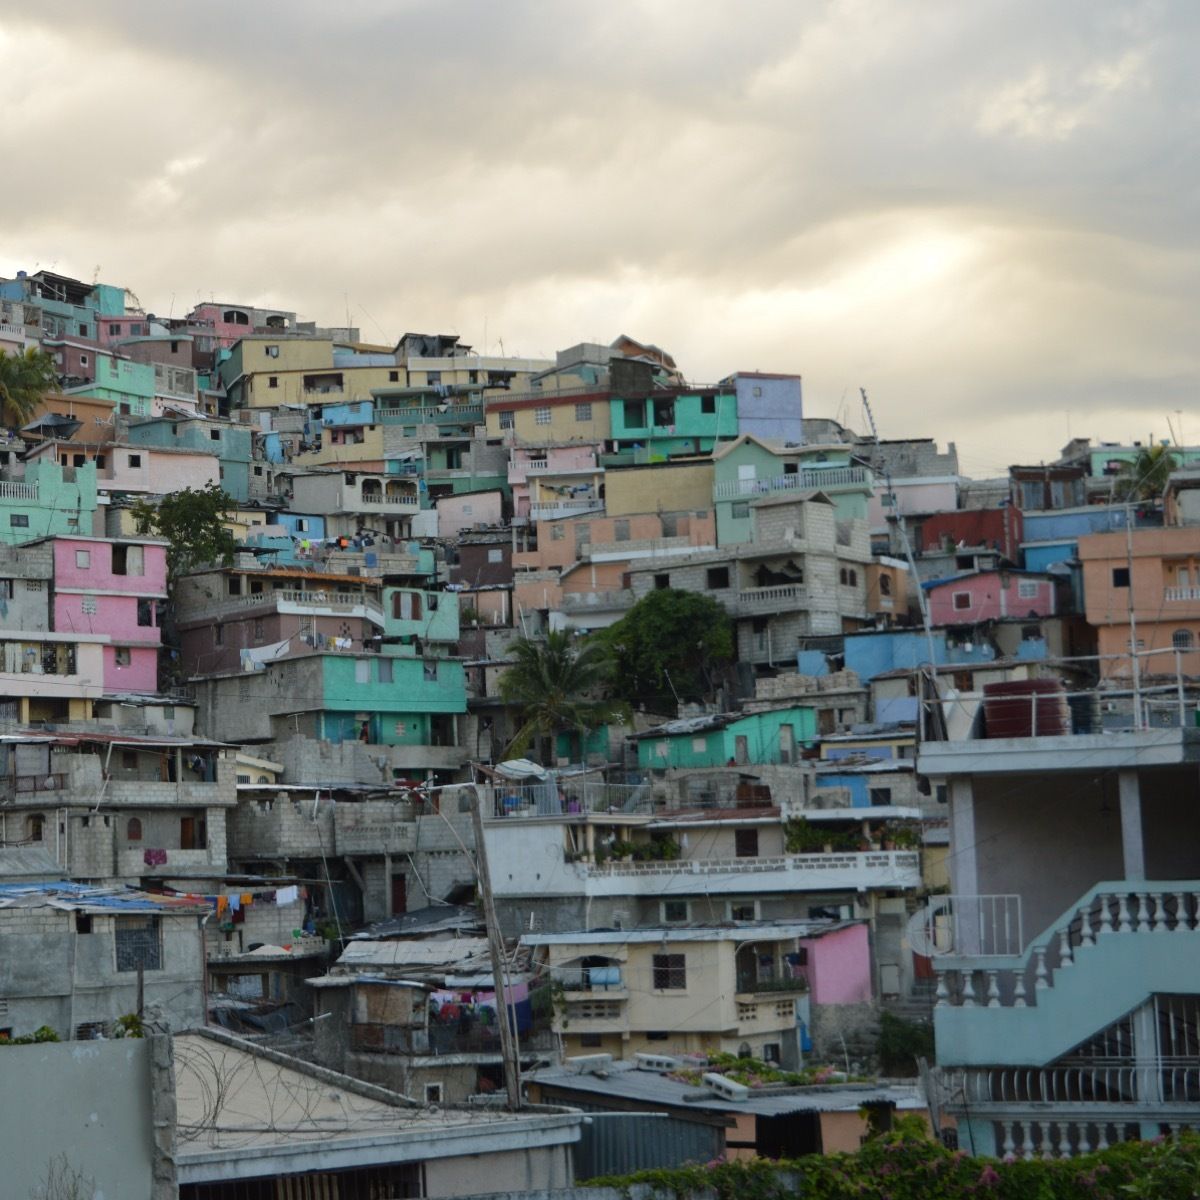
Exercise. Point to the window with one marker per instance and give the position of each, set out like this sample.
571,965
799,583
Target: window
83,331
885,585
384,670
662,582
393,377
583,533
114,330
83,922
18,520
135,460
583,412
621,531
708,405
541,416
83,360
88,606
1181,639
35,827
657,1035
133,830
431,673
770,1052
1120,577
121,656
138,943
1027,589
717,577
145,612
880,796
495,556
745,842
83,559
433,1093
193,833
635,414
962,601
271,351
214,435
670,972
272,381
557,533
406,606
591,1041
743,910
259,631
741,510
507,420
218,635
674,912
853,577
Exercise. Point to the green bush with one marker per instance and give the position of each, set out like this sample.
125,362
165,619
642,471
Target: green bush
901,1043
42,1034
902,1166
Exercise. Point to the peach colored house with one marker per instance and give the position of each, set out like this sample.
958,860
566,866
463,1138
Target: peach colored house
1160,581
149,470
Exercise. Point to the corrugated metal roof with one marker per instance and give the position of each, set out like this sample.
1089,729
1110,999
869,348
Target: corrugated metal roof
431,952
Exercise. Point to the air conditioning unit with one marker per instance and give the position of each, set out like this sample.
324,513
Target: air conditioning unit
725,1088
590,1064
661,1064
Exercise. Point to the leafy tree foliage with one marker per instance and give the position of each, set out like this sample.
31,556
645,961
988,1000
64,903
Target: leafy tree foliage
1145,478
193,521
671,643
25,381
558,685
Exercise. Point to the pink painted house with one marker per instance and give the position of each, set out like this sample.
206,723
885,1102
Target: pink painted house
838,965
468,509
991,596
114,587
560,463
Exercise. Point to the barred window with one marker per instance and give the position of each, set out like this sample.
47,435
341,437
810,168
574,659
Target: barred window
139,943
541,416
670,972
507,420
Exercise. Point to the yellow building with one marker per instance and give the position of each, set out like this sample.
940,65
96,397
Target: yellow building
659,487
360,445
676,990
534,420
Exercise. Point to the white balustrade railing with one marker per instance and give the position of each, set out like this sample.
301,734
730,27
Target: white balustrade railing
1176,594
971,974
799,481
891,860
566,507
770,597
18,491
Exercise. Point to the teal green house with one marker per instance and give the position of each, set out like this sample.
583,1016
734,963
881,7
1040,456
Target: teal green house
748,469
70,307
51,499
670,424
756,739
231,443
130,385
405,701
417,617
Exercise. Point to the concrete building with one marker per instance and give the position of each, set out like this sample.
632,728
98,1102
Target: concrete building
769,406
1064,953
991,596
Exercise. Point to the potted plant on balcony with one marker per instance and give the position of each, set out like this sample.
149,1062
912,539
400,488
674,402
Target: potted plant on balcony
664,848
901,835
802,838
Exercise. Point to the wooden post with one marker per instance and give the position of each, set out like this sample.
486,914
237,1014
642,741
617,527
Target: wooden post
508,1051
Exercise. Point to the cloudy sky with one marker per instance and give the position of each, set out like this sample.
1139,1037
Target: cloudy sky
984,213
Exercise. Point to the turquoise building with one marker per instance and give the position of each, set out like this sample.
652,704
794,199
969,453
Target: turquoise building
130,385
231,443
756,739
749,469
49,500
670,424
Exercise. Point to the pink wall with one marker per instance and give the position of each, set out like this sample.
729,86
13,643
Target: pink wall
141,675
486,509
839,966
114,615
98,574
990,595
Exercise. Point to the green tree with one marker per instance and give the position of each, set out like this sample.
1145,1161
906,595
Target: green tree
25,381
558,686
193,521
670,644
1145,478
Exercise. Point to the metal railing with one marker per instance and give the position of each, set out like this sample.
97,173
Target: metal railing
956,924
1160,1081
589,979
798,481
565,797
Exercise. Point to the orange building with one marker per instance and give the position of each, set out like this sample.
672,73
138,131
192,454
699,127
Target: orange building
1160,581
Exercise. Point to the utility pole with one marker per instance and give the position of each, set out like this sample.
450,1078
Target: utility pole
508,1049
1133,654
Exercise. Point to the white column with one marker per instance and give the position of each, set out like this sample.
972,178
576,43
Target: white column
1131,825
964,869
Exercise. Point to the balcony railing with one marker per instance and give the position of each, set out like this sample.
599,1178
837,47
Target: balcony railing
390,499
566,508
896,861
18,491
800,481
471,414
567,798
782,595
591,601
973,925
1175,595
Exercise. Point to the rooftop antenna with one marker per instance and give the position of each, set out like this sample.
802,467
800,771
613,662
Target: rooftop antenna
922,605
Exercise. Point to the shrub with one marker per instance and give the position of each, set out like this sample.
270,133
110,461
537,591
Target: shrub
901,1043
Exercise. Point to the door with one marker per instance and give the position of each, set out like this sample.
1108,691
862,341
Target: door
741,749
399,895
187,833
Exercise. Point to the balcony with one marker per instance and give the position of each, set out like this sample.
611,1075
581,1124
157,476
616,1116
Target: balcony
390,501
568,798
18,491
451,414
586,602
1181,595
565,508
771,599
831,479
308,603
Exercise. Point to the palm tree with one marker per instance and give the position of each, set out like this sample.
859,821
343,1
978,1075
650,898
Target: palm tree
556,686
25,381
1145,478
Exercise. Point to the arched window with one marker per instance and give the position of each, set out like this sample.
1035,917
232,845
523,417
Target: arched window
35,827
1181,639
853,577
133,829
843,575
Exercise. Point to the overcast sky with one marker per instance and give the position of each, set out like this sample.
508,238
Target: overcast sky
985,213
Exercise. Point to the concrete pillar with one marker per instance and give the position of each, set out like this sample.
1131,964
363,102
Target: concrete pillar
1145,1054
964,869
977,1137
162,1116
1132,847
